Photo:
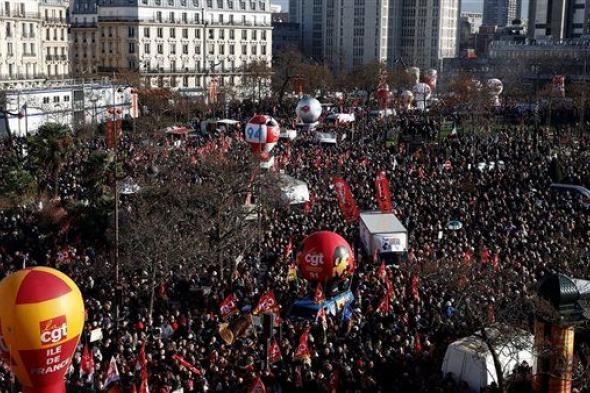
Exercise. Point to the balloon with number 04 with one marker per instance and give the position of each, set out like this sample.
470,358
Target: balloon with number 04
325,257
41,321
262,133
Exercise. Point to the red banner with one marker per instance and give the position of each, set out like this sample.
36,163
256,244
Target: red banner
228,306
184,363
383,195
257,386
346,201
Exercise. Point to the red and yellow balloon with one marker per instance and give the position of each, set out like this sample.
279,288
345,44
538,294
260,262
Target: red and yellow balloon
41,321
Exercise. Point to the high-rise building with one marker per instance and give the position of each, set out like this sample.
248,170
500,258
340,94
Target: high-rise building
558,20
343,33
34,42
430,32
182,44
500,13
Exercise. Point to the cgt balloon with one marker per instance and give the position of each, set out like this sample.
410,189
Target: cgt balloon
308,110
41,321
325,257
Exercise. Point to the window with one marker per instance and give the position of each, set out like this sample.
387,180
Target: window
198,49
220,18
184,17
197,18
198,34
242,5
146,48
185,49
263,35
244,49
232,49
210,3
172,49
66,98
254,35
222,49
160,49
172,33
131,32
46,100
221,34
131,47
184,33
230,4
185,81
159,16
254,49
146,32
219,3
211,34
9,29
160,32
244,34
171,17
231,34
55,99
263,50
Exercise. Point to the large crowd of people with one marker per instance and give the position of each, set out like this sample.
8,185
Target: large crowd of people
515,231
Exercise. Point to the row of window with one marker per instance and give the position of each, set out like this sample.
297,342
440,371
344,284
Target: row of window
229,4
184,33
196,18
184,49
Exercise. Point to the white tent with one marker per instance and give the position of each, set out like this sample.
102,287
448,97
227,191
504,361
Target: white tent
293,190
469,359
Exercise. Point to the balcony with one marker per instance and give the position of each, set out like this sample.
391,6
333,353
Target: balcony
81,25
19,15
55,20
29,55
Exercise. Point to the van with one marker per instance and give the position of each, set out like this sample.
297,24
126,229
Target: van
579,191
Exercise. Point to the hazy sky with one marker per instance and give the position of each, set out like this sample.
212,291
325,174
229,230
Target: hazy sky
467,5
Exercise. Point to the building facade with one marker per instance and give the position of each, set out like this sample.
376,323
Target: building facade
34,42
501,13
475,20
342,33
183,44
558,20
73,105
430,32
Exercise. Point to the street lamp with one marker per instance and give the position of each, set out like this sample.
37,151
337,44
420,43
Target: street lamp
94,99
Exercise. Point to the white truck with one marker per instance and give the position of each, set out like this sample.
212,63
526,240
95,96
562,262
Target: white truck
383,233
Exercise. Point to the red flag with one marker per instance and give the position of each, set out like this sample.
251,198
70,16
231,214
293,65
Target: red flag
288,248
318,296
383,195
346,201
257,386
414,286
417,343
144,385
485,255
496,260
382,273
193,160
184,363
267,302
384,306
302,352
274,352
467,255
87,362
333,383
141,358
228,306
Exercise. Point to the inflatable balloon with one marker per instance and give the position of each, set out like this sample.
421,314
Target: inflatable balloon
41,321
495,87
559,85
308,110
421,94
262,132
325,257
382,95
430,78
406,100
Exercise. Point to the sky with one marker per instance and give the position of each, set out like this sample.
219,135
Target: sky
466,5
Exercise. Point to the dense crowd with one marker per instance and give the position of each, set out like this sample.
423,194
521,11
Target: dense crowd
515,231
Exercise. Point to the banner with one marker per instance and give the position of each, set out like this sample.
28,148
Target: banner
346,201
383,195
228,306
184,363
257,386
